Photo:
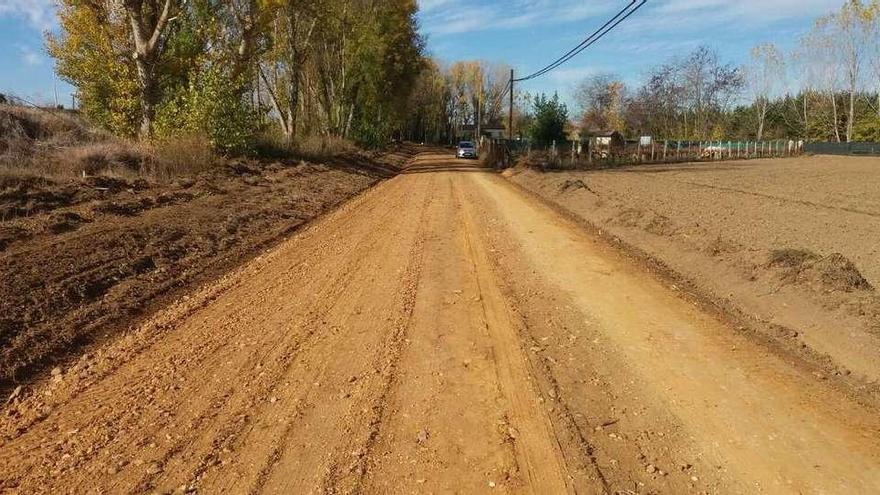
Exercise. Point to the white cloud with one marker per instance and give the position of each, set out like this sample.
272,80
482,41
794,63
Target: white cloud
29,56
571,75
447,17
39,13
444,17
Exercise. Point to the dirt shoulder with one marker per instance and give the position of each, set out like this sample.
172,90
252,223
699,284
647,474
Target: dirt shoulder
83,260
788,247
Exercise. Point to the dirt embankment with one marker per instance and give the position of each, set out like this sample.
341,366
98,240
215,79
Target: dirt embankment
79,259
789,246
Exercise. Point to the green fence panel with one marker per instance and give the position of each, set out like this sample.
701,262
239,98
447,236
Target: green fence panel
860,148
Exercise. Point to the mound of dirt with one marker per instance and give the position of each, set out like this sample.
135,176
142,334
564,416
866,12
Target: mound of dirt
830,273
836,272
20,125
577,184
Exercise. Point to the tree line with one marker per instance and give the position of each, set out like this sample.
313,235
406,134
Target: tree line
826,89
236,70
242,71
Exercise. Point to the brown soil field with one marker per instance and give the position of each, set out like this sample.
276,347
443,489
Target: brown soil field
791,246
443,332
80,260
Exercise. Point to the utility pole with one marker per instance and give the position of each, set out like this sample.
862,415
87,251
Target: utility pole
510,112
479,135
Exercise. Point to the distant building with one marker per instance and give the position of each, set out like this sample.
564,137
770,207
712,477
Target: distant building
494,131
606,143
467,132
490,131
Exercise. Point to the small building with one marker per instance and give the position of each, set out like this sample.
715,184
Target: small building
489,131
467,132
494,131
606,143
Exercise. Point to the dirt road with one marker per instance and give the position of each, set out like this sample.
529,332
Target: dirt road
441,333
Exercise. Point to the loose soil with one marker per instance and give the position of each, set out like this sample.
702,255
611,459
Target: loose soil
442,332
80,259
789,246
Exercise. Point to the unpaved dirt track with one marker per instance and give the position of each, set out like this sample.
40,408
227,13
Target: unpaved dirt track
441,333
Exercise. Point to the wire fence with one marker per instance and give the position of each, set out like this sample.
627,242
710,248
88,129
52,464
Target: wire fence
603,152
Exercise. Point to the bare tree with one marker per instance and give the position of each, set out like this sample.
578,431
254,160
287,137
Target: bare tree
765,76
600,99
872,19
709,87
820,46
847,34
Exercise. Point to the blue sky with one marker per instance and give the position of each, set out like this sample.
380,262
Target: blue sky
528,34
25,69
524,33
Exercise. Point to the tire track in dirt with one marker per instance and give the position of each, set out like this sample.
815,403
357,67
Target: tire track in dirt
391,358
300,395
210,346
538,450
334,474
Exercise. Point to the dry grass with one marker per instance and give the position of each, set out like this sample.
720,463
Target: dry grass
60,146
272,144
324,146
55,127
180,156
792,258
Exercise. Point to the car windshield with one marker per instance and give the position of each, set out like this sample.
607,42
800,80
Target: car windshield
465,144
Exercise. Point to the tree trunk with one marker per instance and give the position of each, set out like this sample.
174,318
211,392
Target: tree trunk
147,85
270,88
835,123
851,117
806,122
762,116
146,36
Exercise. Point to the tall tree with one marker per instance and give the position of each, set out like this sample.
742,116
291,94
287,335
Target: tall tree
765,76
847,33
550,117
601,101
149,22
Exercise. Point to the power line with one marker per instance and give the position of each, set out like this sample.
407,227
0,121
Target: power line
626,12
506,90
582,43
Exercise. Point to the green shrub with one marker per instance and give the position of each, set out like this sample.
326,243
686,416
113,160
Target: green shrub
214,106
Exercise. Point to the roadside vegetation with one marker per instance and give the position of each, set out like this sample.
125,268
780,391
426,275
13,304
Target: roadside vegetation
245,74
169,88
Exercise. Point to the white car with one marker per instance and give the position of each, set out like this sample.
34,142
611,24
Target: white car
466,149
